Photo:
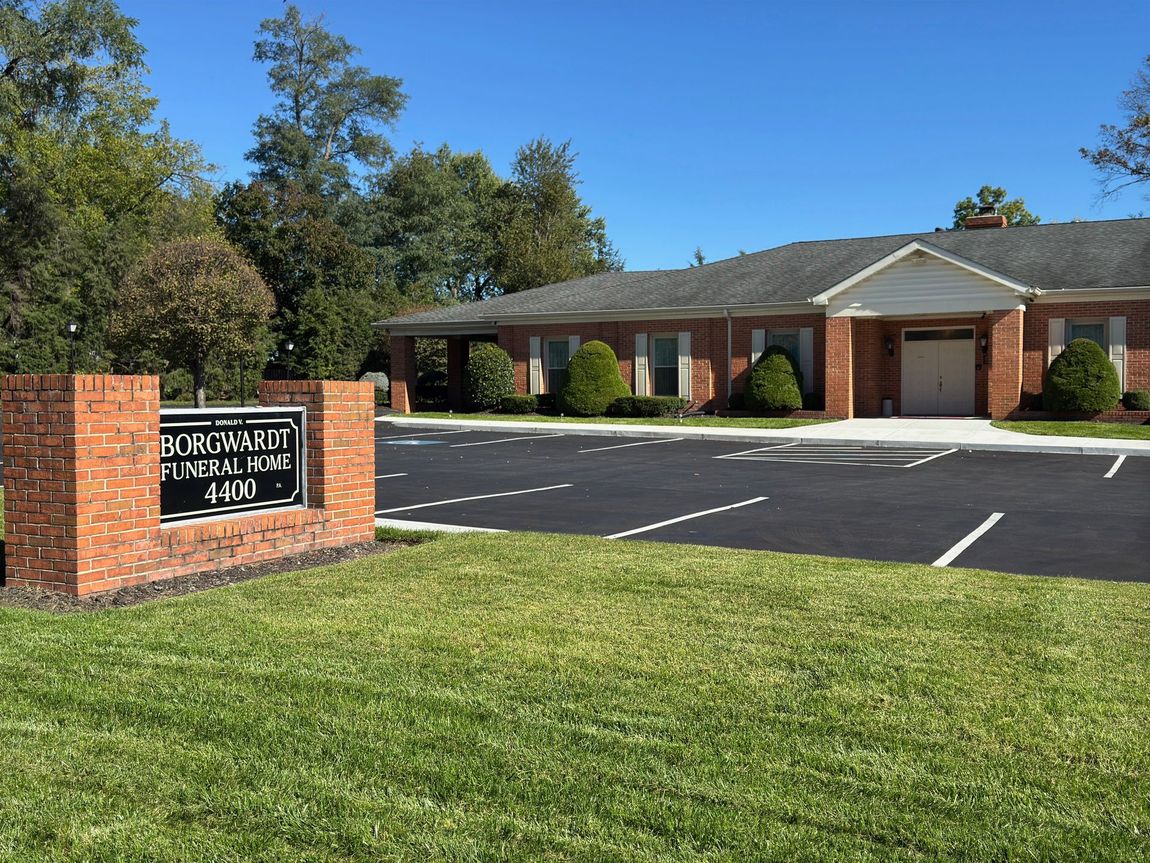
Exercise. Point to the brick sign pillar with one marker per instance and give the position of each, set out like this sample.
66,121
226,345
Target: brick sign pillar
82,484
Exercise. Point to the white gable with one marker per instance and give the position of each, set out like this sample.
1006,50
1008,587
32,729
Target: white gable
922,284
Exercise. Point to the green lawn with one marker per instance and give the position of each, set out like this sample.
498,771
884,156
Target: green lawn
719,422
1076,429
521,697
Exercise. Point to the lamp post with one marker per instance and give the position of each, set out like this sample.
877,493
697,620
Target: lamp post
72,328
289,347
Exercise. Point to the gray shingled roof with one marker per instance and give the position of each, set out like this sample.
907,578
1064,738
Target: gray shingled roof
1049,257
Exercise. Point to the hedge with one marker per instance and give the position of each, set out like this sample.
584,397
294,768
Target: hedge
516,404
593,381
1137,400
646,406
1081,379
775,383
489,376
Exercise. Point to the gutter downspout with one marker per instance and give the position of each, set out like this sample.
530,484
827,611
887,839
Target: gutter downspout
730,383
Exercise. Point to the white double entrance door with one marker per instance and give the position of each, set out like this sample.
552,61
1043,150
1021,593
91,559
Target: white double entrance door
938,372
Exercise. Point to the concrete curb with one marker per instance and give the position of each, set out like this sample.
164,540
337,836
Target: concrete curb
1079,446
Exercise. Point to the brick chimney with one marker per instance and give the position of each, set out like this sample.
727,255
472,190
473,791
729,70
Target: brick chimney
986,218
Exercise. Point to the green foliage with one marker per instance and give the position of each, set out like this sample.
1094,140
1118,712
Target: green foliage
88,177
191,301
1081,379
994,196
1123,155
519,404
404,536
329,111
328,291
1136,400
593,381
646,406
437,217
698,258
775,383
548,233
488,377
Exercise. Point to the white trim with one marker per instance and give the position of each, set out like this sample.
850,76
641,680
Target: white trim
535,365
685,365
912,247
667,313
1094,295
642,376
1116,347
758,345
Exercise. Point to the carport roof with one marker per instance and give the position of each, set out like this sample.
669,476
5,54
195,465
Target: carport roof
1051,258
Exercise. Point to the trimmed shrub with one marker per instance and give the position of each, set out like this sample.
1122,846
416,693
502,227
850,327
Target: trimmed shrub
1081,380
489,376
646,406
593,381
431,387
775,383
546,403
1136,400
516,404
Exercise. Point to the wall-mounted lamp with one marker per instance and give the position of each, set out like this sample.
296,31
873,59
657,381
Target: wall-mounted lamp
983,344
889,346
289,347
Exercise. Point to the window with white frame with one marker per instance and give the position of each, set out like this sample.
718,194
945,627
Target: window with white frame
1093,329
557,354
788,339
665,365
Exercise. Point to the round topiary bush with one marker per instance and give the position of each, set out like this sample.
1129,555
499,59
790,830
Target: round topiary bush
1081,380
593,381
775,383
489,376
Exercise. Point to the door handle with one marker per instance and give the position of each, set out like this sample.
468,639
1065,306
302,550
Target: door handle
940,383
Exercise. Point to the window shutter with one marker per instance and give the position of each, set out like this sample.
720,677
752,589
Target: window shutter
685,365
536,364
640,364
572,346
758,344
1056,338
1117,343
807,358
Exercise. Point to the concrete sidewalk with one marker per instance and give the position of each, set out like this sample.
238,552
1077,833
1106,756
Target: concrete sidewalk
968,434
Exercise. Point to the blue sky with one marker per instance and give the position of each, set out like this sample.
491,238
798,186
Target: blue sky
733,125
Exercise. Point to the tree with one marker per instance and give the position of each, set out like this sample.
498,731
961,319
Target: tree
549,234
438,216
194,300
330,112
994,196
89,180
327,289
1123,156
697,259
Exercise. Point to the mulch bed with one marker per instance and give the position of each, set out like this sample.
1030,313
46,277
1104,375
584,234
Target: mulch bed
59,603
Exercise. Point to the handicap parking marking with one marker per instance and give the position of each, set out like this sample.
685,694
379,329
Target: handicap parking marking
832,454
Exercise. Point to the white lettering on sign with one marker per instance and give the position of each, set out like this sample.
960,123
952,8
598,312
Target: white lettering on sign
207,443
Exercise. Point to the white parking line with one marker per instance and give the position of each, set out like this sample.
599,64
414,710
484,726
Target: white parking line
968,540
390,475
760,449
421,434
657,525
473,497
1117,464
403,524
622,445
505,440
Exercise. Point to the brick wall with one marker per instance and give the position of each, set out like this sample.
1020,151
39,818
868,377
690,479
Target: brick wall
1036,338
1005,384
82,496
840,377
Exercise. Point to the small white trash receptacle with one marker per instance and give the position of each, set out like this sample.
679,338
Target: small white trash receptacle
888,407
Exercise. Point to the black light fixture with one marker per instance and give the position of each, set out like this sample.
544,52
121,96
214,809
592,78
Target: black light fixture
889,346
985,345
72,327
289,347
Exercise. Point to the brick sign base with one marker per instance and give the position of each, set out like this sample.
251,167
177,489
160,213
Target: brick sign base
82,484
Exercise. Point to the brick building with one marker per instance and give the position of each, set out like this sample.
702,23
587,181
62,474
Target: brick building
948,323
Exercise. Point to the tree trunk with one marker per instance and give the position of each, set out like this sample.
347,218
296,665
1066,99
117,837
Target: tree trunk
199,377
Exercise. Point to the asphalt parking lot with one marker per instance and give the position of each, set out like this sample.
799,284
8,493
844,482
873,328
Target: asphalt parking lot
1080,515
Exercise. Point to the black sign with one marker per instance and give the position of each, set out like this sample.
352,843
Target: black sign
230,461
